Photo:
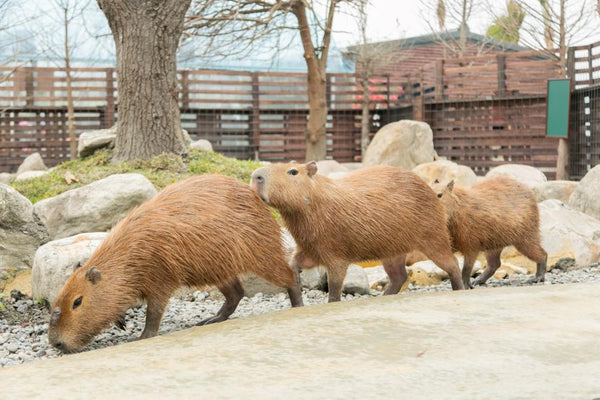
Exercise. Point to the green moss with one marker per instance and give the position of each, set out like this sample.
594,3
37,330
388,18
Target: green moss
161,171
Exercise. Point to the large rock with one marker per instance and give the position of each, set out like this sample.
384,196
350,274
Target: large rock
566,233
327,167
445,171
5,177
560,190
201,144
403,144
377,277
54,262
21,233
30,175
586,196
356,281
91,141
33,162
525,174
94,207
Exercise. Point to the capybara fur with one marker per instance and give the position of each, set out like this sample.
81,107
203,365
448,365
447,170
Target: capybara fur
204,230
375,213
488,216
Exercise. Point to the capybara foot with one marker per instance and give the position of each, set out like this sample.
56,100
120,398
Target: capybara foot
212,320
536,279
478,282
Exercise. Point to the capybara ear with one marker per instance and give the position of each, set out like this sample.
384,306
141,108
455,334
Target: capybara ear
93,275
311,168
435,181
450,185
77,265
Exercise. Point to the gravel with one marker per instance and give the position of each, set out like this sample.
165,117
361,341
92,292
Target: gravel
24,322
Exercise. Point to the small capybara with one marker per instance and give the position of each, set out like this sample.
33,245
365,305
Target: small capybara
204,230
488,216
375,213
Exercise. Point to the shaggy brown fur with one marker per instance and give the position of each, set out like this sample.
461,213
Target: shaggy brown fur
489,216
373,213
205,230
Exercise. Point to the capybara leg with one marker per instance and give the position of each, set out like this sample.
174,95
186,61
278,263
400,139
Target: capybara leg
396,271
335,281
493,262
233,292
295,291
536,253
154,313
468,269
448,263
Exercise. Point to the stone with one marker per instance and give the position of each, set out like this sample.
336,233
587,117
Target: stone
566,233
253,285
314,278
30,175
425,273
21,233
94,207
21,282
403,144
560,190
445,171
525,174
91,141
356,281
5,177
53,262
586,196
201,144
327,167
33,162
377,277
186,137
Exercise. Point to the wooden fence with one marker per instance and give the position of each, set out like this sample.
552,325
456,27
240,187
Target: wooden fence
475,106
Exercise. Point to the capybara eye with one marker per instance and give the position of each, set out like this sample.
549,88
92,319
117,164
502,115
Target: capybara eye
293,171
77,302
436,181
439,195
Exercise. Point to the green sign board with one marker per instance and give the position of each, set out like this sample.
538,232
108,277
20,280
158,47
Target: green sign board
557,111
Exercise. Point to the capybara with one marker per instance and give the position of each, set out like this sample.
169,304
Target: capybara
488,216
204,230
375,213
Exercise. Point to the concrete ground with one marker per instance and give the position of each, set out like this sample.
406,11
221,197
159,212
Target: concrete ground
540,342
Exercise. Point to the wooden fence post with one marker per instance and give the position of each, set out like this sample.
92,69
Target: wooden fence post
255,115
562,157
29,86
185,90
439,80
110,97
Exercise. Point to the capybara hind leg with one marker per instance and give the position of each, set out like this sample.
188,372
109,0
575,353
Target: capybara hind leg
448,263
295,291
396,271
335,281
493,262
233,292
154,313
536,253
468,269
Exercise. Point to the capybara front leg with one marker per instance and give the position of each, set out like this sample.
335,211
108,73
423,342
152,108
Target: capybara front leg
467,269
493,262
295,291
335,281
233,292
396,271
154,313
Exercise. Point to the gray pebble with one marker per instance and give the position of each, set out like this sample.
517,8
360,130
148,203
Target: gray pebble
12,347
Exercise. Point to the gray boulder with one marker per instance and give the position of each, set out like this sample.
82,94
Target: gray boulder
586,196
328,167
30,175
94,207
91,141
403,144
559,190
356,281
21,232
530,176
53,262
201,144
33,162
5,177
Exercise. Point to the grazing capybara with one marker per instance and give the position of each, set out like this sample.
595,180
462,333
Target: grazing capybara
204,230
375,213
488,216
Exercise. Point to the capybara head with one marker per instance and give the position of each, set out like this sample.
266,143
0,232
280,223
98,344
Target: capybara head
445,192
77,314
285,186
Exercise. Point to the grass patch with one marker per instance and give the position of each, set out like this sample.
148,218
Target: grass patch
161,171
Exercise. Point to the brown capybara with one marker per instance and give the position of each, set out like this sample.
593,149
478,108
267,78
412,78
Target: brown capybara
376,213
488,216
204,230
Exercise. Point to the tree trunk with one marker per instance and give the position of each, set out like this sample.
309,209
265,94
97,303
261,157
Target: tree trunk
316,132
146,35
